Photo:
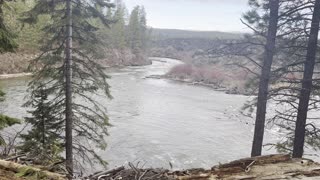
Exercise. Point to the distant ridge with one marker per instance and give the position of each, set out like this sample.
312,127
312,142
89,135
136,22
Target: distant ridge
189,34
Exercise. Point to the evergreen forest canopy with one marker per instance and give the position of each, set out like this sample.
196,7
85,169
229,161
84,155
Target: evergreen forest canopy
126,35
74,40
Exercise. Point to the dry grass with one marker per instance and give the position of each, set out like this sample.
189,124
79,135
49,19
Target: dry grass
218,75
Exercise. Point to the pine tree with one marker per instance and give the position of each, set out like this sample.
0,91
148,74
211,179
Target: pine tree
134,34
286,80
265,77
43,141
287,67
292,39
307,83
71,77
118,28
68,89
137,30
143,28
256,54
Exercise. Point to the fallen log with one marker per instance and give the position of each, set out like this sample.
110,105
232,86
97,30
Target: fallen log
269,159
18,168
244,165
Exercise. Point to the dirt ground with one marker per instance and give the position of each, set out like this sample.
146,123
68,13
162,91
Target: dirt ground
261,168
268,167
8,175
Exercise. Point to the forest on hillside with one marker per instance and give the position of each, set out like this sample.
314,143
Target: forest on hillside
124,42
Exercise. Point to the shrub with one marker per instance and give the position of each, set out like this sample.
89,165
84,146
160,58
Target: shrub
220,76
181,71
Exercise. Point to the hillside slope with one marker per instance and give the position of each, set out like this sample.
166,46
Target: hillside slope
157,33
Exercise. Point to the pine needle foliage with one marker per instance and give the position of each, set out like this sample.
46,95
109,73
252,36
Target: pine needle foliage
43,141
89,79
7,38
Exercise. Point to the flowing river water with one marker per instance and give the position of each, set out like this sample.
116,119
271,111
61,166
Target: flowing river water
157,121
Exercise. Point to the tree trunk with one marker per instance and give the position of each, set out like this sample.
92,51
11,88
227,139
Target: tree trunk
306,83
68,91
264,79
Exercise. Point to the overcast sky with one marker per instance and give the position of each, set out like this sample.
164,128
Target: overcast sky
217,15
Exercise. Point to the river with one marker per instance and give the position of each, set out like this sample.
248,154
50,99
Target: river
157,121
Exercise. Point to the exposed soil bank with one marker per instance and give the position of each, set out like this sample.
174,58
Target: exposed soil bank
8,175
263,167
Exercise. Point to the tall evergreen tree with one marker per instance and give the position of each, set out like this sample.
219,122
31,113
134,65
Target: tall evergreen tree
307,83
118,29
68,89
134,29
292,28
137,30
69,73
289,73
143,28
264,78
293,31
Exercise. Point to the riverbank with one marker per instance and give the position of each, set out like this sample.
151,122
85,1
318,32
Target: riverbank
263,167
214,86
217,77
277,166
16,64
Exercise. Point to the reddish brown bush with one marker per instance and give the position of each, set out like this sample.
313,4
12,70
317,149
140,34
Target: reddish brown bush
215,74
182,71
